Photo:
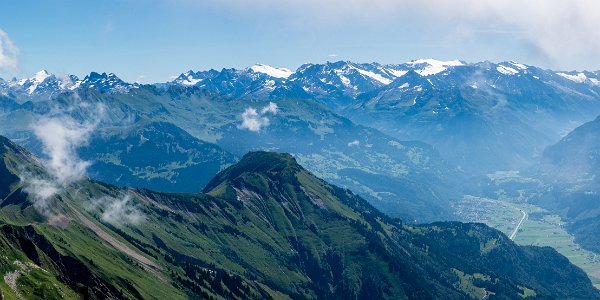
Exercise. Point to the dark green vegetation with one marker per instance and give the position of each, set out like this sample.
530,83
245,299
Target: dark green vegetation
263,228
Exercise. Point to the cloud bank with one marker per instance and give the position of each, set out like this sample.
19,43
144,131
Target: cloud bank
8,53
256,121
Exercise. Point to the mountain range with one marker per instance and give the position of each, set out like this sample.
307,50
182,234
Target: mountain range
264,228
481,116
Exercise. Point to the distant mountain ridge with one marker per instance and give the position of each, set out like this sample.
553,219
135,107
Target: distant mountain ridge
346,76
50,85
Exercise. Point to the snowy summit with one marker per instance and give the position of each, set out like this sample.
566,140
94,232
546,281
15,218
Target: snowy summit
272,71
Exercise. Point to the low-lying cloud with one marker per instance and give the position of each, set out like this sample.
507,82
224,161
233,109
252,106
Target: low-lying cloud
255,120
118,210
60,135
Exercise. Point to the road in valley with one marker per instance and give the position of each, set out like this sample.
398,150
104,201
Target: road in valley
514,233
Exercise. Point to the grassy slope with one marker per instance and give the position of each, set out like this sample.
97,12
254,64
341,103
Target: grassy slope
276,230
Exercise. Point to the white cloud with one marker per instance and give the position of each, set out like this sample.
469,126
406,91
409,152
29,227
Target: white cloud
252,121
270,108
8,53
61,135
256,121
121,211
41,189
117,210
354,143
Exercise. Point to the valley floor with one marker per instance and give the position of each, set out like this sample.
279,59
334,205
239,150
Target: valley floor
528,224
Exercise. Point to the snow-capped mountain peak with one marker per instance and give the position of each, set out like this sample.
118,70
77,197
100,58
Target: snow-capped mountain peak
31,84
40,76
580,77
506,70
372,75
272,71
188,78
42,83
518,65
426,67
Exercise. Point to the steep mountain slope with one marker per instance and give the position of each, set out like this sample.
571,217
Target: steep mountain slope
571,168
266,228
575,159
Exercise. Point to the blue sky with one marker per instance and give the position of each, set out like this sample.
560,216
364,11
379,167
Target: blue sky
152,40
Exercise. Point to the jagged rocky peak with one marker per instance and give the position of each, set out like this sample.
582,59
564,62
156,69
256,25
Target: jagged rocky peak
106,82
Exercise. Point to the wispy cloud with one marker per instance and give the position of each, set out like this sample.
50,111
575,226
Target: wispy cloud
118,210
270,108
256,121
60,135
354,143
8,53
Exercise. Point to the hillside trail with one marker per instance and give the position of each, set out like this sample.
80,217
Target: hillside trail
147,264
